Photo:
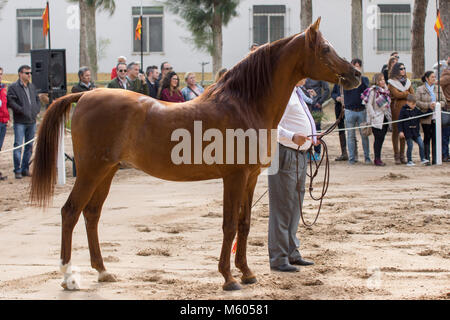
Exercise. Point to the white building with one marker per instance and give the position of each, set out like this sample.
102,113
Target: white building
386,23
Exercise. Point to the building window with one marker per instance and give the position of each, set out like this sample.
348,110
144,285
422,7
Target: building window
29,30
152,29
394,33
268,23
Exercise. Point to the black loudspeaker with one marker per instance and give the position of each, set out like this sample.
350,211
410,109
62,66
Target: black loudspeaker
49,64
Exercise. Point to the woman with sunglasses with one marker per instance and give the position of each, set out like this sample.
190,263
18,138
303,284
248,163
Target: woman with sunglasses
399,87
170,88
427,97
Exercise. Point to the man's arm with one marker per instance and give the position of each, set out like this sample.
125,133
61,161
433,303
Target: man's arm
13,100
325,92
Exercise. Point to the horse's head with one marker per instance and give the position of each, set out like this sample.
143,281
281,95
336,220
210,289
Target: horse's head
324,63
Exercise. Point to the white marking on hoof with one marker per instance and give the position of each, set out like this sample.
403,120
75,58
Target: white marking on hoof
72,277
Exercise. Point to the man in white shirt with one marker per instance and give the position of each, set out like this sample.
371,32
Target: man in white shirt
293,131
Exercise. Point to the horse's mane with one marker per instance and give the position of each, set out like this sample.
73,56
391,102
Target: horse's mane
250,79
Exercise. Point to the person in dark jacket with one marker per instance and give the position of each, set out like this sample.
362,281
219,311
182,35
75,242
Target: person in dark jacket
336,96
409,130
136,79
355,115
85,83
152,81
25,104
322,92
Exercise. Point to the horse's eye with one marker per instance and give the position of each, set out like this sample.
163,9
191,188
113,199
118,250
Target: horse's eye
326,49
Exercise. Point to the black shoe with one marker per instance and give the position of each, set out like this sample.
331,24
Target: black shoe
18,175
26,173
343,157
2,177
301,262
285,268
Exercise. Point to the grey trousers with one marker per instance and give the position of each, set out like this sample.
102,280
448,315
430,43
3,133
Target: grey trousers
284,214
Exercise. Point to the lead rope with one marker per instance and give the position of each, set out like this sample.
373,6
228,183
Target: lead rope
312,175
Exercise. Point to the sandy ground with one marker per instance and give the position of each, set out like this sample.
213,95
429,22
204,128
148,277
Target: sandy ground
383,233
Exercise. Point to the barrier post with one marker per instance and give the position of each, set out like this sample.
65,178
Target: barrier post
60,163
437,110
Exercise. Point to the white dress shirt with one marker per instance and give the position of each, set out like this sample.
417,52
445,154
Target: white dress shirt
294,120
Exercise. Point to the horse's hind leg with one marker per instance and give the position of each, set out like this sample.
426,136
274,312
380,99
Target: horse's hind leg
243,230
234,188
82,191
91,215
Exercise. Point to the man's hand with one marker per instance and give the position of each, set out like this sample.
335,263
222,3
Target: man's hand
318,138
299,139
318,106
312,92
401,135
339,99
141,77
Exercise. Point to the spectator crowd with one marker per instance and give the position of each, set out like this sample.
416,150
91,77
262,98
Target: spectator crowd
371,108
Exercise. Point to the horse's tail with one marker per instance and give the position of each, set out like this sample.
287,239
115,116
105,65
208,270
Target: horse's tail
45,156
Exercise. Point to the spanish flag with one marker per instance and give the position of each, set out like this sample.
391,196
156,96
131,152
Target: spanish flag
438,25
137,33
45,21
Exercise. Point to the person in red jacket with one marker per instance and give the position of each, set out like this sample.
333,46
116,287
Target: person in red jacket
170,88
120,59
4,114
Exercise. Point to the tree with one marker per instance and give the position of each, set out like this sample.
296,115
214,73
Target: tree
444,38
205,19
305,14
88,32
418,38
357,29
2,4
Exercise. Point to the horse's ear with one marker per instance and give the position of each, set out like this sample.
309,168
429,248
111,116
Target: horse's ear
316,24
312,33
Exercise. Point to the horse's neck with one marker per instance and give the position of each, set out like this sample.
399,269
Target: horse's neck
287,72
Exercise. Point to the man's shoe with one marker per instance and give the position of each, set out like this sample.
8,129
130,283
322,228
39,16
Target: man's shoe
26,173
302,262
18,175
379,163
342,157
285,268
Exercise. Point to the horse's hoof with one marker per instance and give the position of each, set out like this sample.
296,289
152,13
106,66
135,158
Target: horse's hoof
106,277
249,280
71,284
232,286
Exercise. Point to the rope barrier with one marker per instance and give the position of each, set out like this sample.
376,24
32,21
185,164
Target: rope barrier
22,145
344,129
383,123
18,147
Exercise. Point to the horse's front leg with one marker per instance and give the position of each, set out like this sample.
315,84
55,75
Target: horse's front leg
234,189
243,230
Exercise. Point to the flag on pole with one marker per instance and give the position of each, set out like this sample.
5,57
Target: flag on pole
45,21
438,24
138,31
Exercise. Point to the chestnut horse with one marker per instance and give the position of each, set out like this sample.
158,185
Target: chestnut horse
110,126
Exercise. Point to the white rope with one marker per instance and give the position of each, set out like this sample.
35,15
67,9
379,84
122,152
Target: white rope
345,129
18,147
370,125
